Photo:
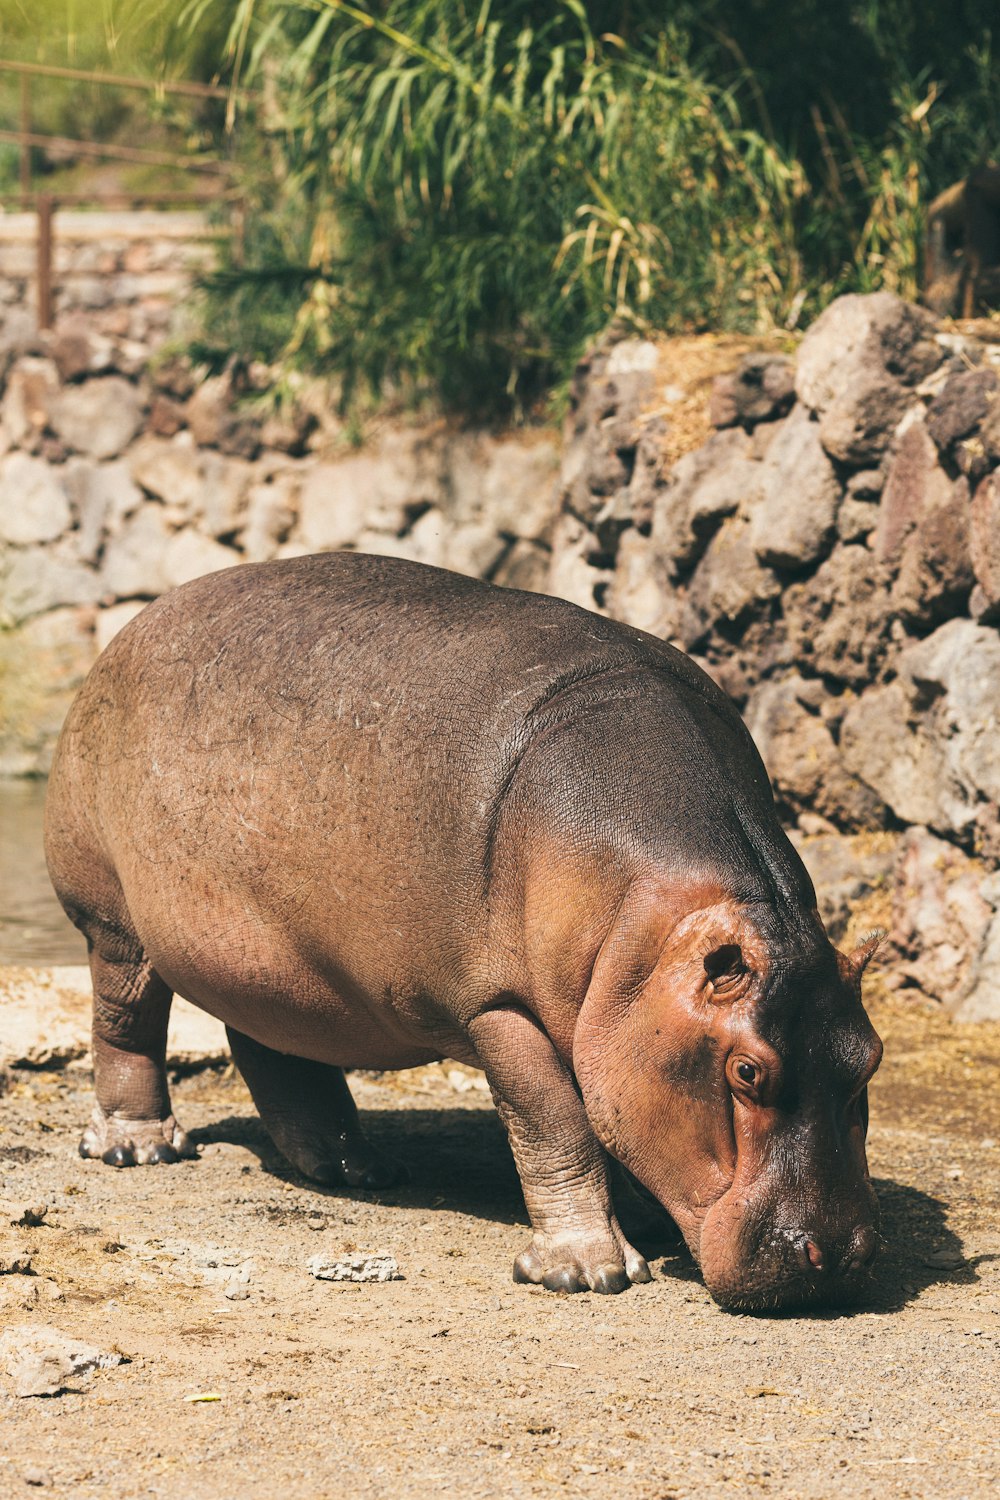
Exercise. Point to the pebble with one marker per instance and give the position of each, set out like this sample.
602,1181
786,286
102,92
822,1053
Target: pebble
15,1261
237,1288
40,1477
945,1260
41,1359
355,1268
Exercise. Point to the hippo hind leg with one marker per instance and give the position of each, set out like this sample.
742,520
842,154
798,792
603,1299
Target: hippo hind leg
311,1117
132,1124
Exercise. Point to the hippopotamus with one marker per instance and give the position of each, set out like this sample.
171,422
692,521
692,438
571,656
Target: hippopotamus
372,814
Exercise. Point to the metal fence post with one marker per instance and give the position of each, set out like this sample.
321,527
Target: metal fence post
25,131
44,205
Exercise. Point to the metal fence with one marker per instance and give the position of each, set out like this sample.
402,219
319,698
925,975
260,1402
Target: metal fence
207,168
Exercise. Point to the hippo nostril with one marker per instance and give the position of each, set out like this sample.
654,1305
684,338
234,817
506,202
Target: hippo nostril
815,1255
809,1253
863,1248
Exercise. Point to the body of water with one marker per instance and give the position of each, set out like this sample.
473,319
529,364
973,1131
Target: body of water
34,928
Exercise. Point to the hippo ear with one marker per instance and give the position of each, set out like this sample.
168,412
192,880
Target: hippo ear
724,969
866,951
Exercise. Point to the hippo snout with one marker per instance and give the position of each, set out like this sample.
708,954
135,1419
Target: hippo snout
783,1268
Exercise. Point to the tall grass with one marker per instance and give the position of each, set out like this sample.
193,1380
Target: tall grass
487,185
455,195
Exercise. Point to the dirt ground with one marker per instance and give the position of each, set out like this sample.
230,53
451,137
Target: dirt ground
453,1380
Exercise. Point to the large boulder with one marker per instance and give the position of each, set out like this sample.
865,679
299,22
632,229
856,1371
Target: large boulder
99,418
984,547
271,509
41,666
802,758
43,577
221,506
927,742
857,368
113,619
760,389
612,388
102,496
922,535
846,870
33,504
380,489
575,570
525,565
794,509
508,484
837,623
945,931
190,554
169,469
641,593
706,486
79,350
729,586
962,405
32,389
217,421
133,565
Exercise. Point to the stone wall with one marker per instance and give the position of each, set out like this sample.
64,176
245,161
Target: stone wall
125,274
121,478
831,555
821,532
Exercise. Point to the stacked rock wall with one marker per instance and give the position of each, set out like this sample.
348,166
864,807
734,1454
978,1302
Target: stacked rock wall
121,478
126,274
831,554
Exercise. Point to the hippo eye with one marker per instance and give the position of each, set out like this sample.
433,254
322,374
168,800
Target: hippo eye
747,1072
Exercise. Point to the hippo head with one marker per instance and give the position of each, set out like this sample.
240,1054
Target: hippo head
728,1072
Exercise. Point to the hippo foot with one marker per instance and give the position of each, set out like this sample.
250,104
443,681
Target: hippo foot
569,1264
135,1143
360,1167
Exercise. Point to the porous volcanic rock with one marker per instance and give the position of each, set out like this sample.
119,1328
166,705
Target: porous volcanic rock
760,389
802,757
927,742
729,585
945,933
845,870
962,404
707,485
857,368
837,623
793,511
922,534
984,547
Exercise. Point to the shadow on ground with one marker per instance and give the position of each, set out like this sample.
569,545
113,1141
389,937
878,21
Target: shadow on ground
459,1160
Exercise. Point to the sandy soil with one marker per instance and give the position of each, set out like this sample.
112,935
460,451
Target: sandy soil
453,1380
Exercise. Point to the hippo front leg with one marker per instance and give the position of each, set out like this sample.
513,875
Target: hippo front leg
578,1244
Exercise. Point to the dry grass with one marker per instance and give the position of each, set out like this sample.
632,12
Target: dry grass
689,365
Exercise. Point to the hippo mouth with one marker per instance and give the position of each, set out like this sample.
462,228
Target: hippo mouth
790,1292
750,1267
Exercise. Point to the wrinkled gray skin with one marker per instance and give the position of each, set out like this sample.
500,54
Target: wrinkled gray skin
371,814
